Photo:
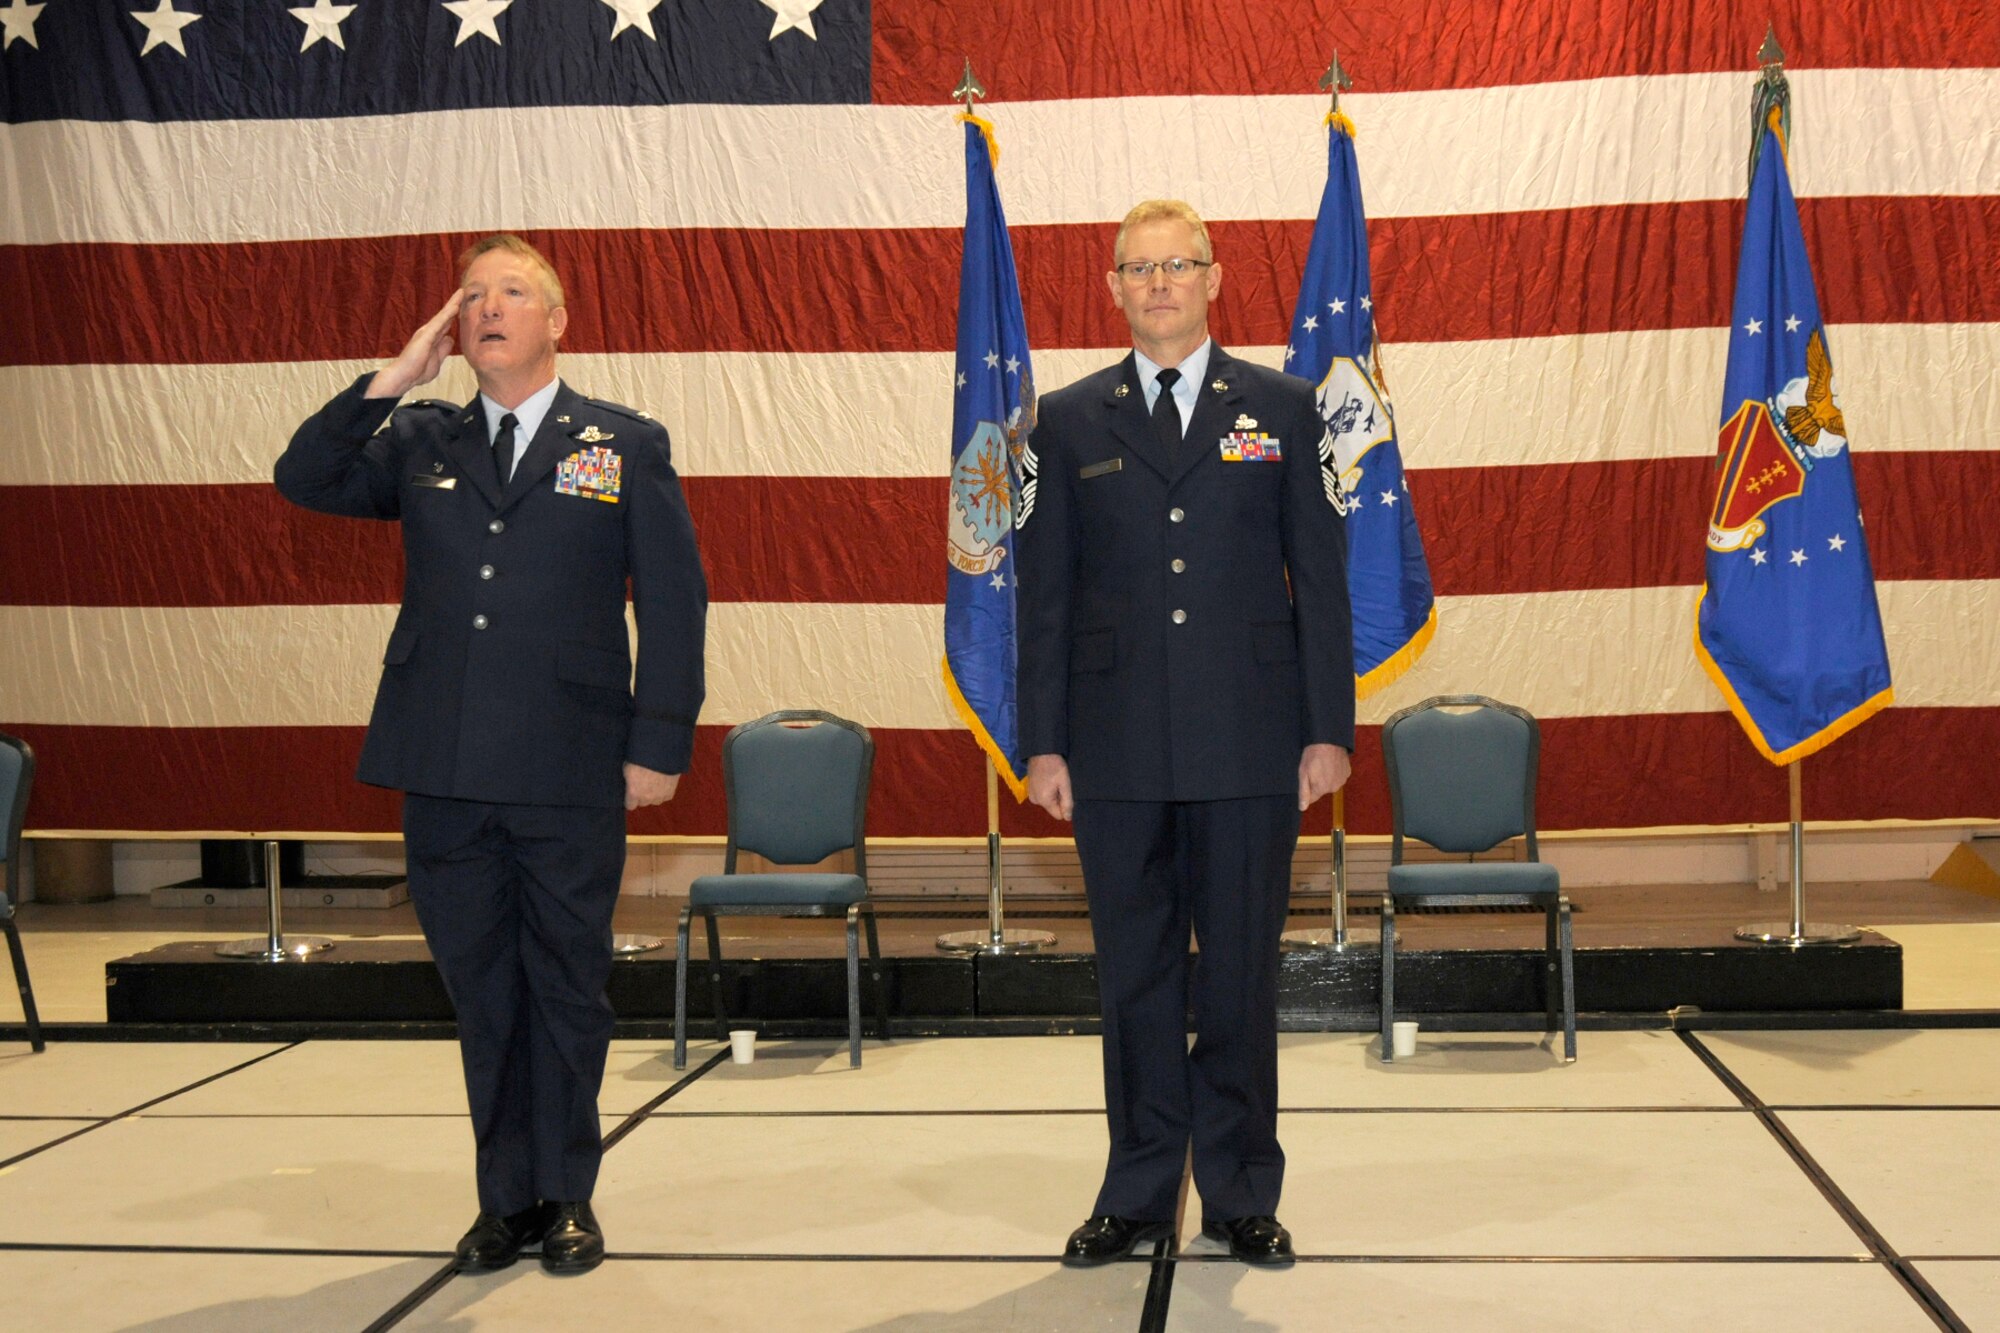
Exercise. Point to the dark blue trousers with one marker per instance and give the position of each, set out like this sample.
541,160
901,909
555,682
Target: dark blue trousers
516,903
1153,870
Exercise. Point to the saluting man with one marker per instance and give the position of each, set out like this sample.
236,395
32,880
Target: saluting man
508,713
1186,690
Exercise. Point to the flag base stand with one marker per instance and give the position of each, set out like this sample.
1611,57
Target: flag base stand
996,941
624,945
1335,940
273,947
1797,933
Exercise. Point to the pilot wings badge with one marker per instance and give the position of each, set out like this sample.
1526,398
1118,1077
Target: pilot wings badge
1357,418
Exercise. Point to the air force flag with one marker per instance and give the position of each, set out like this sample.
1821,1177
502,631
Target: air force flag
1787,625
1333,345
992,469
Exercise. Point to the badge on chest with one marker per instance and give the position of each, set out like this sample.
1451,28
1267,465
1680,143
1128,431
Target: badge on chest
591,474
1251,446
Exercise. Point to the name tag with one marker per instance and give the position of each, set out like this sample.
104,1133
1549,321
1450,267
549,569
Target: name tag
430,482
1105,468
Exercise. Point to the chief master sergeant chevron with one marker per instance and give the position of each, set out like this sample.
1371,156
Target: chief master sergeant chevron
508,713
1186,690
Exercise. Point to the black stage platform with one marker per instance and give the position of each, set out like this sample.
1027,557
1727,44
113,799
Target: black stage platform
392,981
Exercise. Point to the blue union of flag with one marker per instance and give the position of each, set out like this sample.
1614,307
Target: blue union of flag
1333,344
992,470
1787,625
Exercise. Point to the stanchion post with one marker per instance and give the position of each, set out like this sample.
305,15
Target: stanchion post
1798,931
996,939
274,947
1334,940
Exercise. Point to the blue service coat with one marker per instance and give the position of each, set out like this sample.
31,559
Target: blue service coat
1184,628
509,677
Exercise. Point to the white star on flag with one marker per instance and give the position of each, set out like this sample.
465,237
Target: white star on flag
1367,304
18,19
163,26
1798,557
475,18
1759,556
992,360
791,14
1754,327
999,580
1833,543
1337,307
961,379
1791,324
1312,322
634,14
1290,352
322,20
1388,497
1014,368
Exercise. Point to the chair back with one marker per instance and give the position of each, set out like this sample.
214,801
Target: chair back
17,778
797,794
1462,782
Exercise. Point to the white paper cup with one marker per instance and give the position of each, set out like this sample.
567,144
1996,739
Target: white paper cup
1403,1039
743,1044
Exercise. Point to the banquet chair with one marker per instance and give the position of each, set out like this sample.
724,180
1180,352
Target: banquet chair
1464,782
796,783
17,778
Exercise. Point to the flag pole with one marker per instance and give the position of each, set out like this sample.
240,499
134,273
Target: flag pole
1798,931
1334,82
1336,939
996,939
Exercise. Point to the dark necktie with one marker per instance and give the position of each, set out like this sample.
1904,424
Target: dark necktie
503,449
1167,415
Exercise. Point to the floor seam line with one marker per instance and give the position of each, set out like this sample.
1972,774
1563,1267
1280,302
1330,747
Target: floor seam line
134,1111
1913,1283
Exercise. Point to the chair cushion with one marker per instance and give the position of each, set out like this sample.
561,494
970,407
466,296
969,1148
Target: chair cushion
1474,877
777,889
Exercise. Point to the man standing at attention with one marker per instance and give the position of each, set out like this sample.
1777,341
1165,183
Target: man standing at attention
1187,689
508,712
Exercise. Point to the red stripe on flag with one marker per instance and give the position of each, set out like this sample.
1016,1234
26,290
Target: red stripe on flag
1600,772
1440,279
1026,50
763,539
1523,529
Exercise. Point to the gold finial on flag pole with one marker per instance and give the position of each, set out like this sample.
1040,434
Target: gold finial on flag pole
1771,56
969,87
1336,82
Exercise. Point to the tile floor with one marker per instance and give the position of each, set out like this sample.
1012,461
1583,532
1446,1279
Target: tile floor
1754,1180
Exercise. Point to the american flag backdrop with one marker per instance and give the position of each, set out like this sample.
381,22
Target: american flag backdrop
210,224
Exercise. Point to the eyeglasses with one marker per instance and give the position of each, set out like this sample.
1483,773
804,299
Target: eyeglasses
1138,270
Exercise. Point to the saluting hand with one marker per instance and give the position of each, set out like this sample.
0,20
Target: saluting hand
422,356
1323,770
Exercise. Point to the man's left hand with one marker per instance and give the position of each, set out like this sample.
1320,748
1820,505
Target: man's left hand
1323,770
645,787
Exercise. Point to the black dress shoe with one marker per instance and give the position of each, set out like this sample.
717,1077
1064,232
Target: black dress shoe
1253,1240
1102,1239
496,1241
574,1243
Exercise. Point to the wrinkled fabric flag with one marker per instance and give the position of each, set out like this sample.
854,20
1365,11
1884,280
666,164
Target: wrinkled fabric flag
1333,345
992,470
1787,625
